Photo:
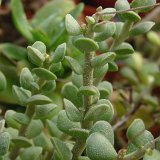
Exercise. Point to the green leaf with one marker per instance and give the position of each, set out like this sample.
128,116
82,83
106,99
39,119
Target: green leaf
44,74
75,12
103,59
40,46
87,90
72,26
105,129
56,67
139,3
141,28
20,19
55,9
34,129
123,49
103,46
151,100
43,141
108,114
3,82
142,139
69,91
152,155
131,148
38,100
137,126
4,143
75,66
13,51
99,27
154,38
21,118
106,14
106,33
86,45
64,124
72,112
45,111
31,153
35,56
105,89
9,119
79,133
98,147
21,142
61,148
53,129
48,86
121,5
99,73
21,94
95,111
119,27
90,20
2,124
77,80
59,53
129,74
113,67
131,16
26,78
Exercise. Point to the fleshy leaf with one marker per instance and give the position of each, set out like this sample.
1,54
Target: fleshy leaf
103,59
26,78
35,56
34,129
38,100
72,26
140,3
21,94
3,82
72,112
86,45
79,133
31,153
106,33
141,28
75,66
98,147
61,148
59,53
4,143
44,74
105,129
21,142
64,124
20,19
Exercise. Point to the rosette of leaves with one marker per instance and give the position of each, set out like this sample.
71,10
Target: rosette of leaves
88,111
32,130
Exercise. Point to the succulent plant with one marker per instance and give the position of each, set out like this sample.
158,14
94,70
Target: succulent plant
82,129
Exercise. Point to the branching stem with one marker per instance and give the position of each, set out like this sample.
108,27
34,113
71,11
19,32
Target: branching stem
132,9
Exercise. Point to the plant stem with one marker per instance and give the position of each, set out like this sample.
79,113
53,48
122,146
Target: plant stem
29,112
123,35
87,100
140,152
132,9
